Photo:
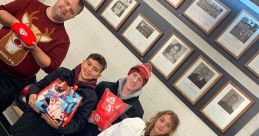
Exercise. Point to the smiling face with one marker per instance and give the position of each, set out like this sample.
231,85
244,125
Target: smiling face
204,71
90,69
163,125
64,10
175,49
232,100
134,82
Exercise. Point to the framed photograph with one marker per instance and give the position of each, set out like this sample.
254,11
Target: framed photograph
118,11
227,106
141,34
253,64
171,55
175,3
206,14
197,80
95,4
240,34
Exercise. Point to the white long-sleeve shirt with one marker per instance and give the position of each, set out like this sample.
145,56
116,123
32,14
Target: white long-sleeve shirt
127,127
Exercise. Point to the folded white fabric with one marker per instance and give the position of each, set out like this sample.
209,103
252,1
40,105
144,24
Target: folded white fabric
127,127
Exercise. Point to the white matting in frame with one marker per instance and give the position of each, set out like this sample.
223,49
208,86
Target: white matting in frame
141,34
171,55
227,106
206,14
118,11
175,3
253,64
197,80
95,4
240,34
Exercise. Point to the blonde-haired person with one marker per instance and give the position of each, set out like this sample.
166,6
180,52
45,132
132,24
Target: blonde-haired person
164,123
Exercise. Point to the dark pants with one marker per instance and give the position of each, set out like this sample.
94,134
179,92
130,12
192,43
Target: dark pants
10,88
31,124
89,130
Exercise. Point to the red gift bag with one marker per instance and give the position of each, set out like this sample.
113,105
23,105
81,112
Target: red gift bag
109,108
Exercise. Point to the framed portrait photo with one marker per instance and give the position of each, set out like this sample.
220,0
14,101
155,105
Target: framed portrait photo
175,3
95,4
206,14
240,34
118,11
141,34
197,80
171,55
227,106
253,64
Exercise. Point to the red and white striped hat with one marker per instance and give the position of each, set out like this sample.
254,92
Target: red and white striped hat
143,70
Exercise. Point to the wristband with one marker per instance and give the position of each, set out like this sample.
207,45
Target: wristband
25,90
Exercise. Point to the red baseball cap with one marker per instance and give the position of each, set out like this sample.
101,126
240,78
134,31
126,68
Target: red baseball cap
144,70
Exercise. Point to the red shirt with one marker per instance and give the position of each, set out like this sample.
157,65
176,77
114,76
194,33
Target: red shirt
51,38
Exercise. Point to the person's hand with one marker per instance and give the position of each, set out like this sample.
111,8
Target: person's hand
100,129
32,99
53,123
32,47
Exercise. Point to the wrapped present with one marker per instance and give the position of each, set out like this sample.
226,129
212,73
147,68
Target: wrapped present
59,101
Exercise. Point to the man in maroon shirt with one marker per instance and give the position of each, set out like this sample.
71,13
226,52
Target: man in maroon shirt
19,65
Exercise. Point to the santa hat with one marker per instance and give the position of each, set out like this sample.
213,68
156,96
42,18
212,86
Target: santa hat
144,70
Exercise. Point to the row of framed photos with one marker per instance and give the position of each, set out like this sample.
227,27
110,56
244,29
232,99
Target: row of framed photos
242,33
142,34
230,102
225,108
236,39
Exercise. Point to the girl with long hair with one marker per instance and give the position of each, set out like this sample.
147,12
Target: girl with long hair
164,123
